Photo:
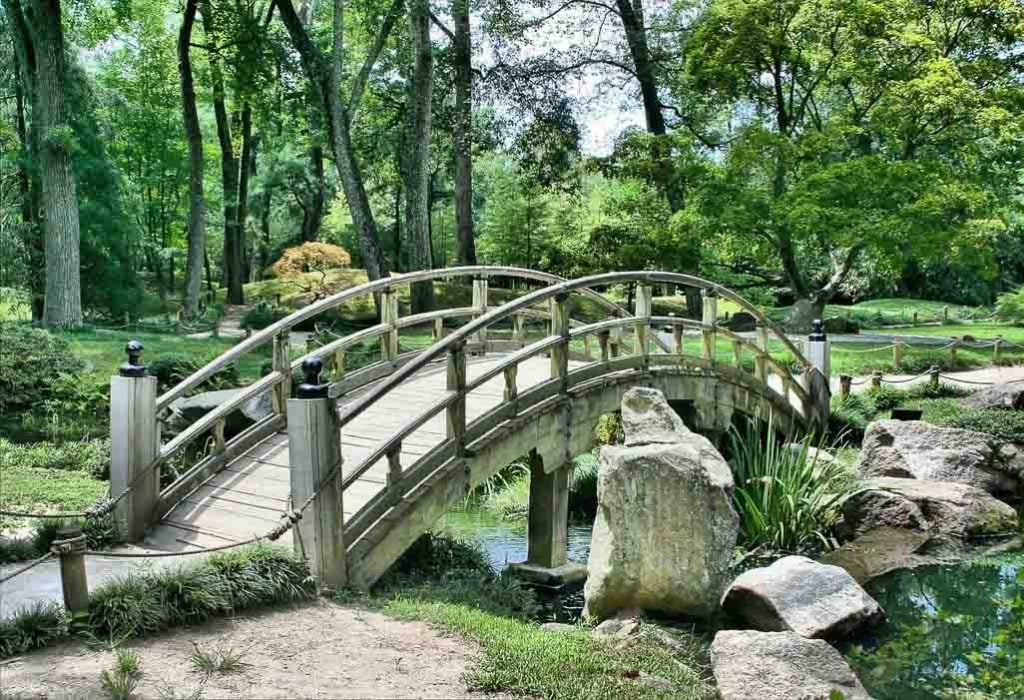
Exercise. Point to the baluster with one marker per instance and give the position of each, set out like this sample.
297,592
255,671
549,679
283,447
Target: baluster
438,329
218,435
761,361
394,472
644,297
560,352
480,304
710,324
389,316
511,386
456,382
339,365
677,339
281,362
603,337
737,353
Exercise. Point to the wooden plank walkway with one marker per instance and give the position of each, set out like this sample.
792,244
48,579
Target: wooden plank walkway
247,497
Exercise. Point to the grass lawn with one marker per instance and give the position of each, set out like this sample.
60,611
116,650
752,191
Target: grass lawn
34,490
981,331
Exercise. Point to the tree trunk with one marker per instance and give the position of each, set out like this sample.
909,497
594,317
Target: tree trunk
417,152
267,197
463,134
39,42
804,312
327,84
232,270
313,199
244,171
194,136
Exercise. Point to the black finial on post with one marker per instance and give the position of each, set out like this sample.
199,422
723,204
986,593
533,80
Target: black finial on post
311,388
133,367
817,330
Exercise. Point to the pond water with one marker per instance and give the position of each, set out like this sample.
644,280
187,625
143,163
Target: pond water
951,631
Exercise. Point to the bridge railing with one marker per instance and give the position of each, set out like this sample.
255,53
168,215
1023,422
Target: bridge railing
278,381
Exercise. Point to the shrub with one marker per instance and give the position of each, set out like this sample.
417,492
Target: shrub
1010,305
32,362
171,368
76,409
583,491
1008,425
38,625
99,533
91,456
311,256
261,316
788,500
437,555
608,430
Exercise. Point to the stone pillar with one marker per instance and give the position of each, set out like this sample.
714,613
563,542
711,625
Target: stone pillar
547,562
134,445
314,450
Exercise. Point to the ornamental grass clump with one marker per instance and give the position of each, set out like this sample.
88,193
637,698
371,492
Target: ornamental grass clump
40,624
788,497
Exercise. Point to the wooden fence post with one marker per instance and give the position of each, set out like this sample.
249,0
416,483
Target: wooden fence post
456,381
389,316
996,348
281,362
314,451
845,385
75,585
339,365
134,445
394,476
952,352
915,318
945,315
933,376
710,322
511,385
897,354
876,380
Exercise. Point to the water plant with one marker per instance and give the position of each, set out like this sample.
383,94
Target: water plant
788,496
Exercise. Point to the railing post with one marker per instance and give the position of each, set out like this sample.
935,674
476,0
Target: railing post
952,352
737,353
876,380
518,328
73,579
281,362
760,362
603,337
560,352
616,341
845,385
915,318
394,472
511,386
644,300
897,354
677,339
933,376
456,381
389,316
710,323
314,451
134,445
339,366
996,347
816,377
480,304
945,315
218,435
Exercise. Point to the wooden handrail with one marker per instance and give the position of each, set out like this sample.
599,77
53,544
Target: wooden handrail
376,286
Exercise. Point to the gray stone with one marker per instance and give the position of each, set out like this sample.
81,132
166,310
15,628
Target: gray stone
953,509
800,595
617,627
742,322
1008,395
917,450
820,456
879,551
780,666
648,419
186,411
878,508
665,526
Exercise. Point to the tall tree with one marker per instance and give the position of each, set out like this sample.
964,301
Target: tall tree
326,78
194,136
233,231
462,42
416,163
39,43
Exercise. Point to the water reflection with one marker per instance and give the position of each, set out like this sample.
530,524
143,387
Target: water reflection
952,631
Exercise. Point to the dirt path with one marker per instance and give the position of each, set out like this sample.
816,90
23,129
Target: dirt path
315,650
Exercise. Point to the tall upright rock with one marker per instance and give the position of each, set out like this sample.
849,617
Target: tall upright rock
665,526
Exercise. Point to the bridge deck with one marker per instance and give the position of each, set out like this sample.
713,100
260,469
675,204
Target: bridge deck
247,497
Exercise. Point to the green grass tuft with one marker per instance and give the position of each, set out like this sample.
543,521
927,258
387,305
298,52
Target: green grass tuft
33,627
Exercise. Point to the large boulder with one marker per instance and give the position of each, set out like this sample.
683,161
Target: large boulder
917,450
780,666
742,322
949,508
1008,395
797,594
186,411
665,526
878,508
879,551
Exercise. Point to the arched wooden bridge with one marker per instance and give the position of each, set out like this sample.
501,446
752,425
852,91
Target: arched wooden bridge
419,429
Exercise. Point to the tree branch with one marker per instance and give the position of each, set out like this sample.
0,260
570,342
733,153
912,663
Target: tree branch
359,86
440,25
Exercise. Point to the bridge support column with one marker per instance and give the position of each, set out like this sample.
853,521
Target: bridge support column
314,450
134,445
547,562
